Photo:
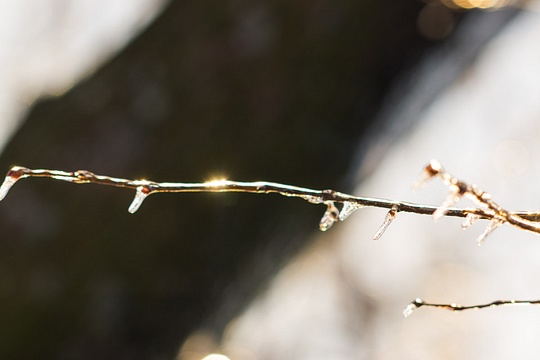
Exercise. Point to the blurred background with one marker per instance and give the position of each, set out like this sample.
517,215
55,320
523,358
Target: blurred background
354,96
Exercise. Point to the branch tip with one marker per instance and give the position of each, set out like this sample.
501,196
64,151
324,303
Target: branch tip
413,305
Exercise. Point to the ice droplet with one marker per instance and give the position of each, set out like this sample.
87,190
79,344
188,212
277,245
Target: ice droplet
412,306
493,224
348,208
452,198
140,195
12,176
330,216
6,185
469,220
390,216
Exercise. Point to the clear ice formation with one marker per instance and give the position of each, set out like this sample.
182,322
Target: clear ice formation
6,185
493,224
331,215
452,198
140,195
390,216
348,208
411,307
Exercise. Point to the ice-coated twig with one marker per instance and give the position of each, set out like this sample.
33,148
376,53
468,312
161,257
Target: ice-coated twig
529,221
418,303
487,209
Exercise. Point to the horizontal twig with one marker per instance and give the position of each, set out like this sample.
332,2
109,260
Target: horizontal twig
418,303
144,188
487,208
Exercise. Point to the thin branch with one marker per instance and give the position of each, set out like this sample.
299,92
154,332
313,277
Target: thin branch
487,209
417,303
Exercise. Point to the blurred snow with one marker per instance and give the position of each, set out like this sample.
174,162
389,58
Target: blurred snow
343,298
47,46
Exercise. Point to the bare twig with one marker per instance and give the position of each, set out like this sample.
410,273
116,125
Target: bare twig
143,188
487,209
417,303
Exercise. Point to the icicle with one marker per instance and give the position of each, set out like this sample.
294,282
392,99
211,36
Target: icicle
469,220
412,306
431,170
330,216
11,178
493,224
348,208
140,195
452,198
390,216
6,185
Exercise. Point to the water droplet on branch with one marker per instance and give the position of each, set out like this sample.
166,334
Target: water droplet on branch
348,208
452,198
412,306
330,216
140,195
493,224
390,216
12,176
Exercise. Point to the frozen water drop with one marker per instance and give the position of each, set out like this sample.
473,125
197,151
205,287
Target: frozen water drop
493,224
452,198
469,220
12,176
330,216
348,208
390,216
6,185
140,195
412,306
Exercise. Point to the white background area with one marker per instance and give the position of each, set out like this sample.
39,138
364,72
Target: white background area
46,46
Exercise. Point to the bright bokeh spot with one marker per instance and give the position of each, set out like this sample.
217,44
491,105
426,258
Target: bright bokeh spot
481,4
216,357
216,182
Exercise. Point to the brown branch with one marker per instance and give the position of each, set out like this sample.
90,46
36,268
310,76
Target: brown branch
417,303
487,208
